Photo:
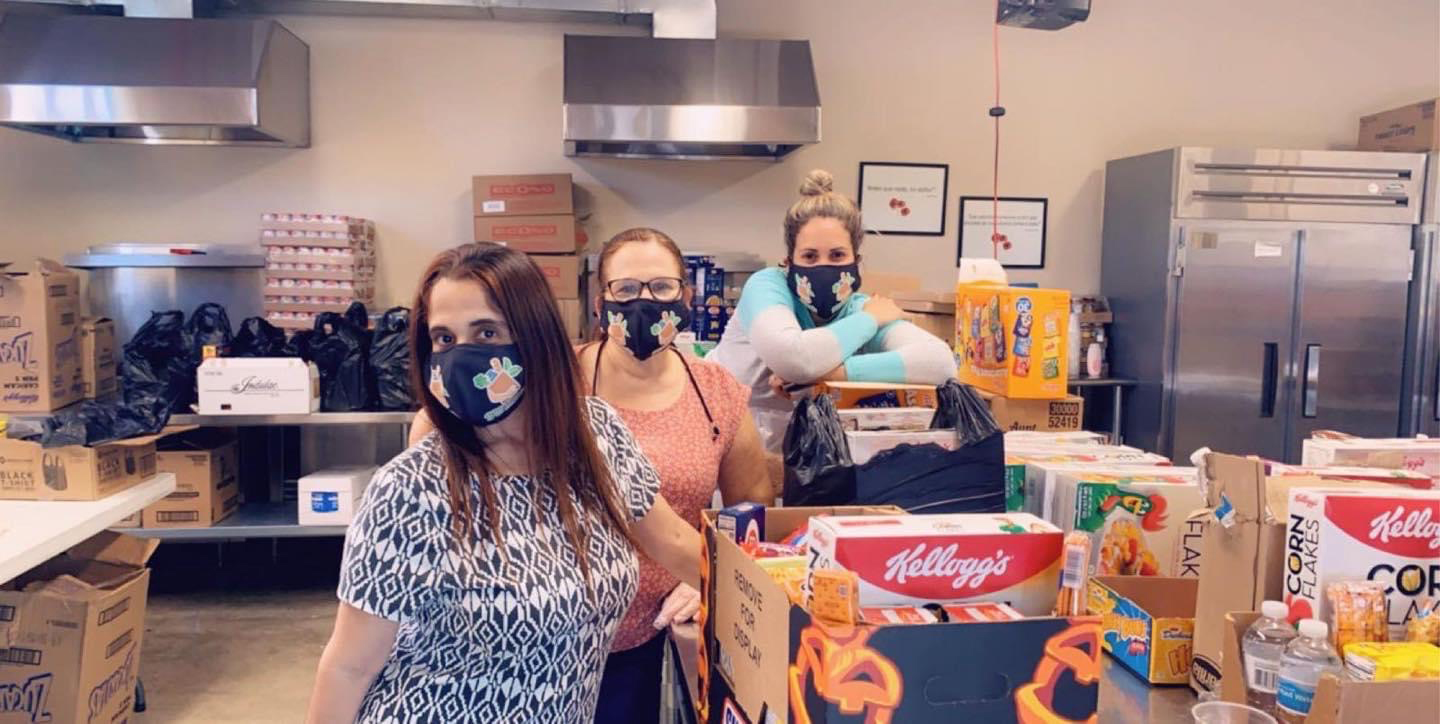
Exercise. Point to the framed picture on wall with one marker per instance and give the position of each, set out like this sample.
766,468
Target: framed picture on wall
904,198
1022,221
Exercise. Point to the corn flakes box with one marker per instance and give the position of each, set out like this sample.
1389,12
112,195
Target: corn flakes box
1134,521
1011,340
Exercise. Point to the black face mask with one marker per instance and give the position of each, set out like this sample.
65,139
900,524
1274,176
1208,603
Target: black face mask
644,326
479,383
824,289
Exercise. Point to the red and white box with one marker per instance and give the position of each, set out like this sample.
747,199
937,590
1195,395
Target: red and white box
1358,535
907,560
1417,455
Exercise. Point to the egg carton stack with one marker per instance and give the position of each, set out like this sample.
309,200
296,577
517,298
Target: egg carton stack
315,263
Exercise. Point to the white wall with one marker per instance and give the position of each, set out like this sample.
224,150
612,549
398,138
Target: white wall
405,111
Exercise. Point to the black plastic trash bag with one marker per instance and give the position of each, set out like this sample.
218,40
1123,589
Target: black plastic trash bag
209,326
258,338
358,315
960,409
339,350
818,466
298,345
155,366
390,360
88,422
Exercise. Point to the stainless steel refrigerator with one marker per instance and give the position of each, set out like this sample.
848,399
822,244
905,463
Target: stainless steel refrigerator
1259,294
1420,408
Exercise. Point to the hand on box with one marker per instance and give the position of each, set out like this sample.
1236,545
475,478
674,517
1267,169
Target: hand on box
680,606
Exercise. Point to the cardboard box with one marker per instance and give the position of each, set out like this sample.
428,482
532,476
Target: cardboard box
73,639
849,395
1135,520
333,224
764,659
1391,536
1060,415
207,484
330,497
1338,700
39,343
1417,455
1011,340
524,194
931,311
1148,624
1256,507
917,559
886,418
134,520
531,234
97,357
258,386
563,273
1407,128
572,313
73,472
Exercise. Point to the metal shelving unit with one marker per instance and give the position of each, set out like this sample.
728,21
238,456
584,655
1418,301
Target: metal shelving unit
252,520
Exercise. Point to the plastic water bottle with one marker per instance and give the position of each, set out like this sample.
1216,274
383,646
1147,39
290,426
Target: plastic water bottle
1306,659
1264,644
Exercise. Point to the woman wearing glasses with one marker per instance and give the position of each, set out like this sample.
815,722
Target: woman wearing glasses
807,321
689,418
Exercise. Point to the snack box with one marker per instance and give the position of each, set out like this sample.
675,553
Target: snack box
1055,437
1033,499
1417,455
887,418
1041,491
1147,624
1379,475
918,559
1011,340
743,522
850,395
1379,535
866,444
1134,521
765,658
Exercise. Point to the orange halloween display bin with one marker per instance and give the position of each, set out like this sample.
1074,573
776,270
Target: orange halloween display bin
765,658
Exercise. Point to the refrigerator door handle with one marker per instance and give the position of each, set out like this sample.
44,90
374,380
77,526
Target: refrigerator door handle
1311,392
1268,389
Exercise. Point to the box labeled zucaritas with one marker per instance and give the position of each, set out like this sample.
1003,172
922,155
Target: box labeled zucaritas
1351,535
917,559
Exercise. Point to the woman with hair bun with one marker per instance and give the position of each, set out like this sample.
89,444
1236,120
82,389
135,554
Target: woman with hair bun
806,321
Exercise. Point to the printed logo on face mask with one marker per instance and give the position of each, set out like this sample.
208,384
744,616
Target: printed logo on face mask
478,383
500,384
666,329
617,327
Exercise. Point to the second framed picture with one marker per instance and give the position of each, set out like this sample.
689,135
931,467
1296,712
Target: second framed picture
1021,220
904,198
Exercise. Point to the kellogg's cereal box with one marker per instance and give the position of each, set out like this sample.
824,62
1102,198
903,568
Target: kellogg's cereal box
918,559
1134,520
1376,535
1417,455
1011,340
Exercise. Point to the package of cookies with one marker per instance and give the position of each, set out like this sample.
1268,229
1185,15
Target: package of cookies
1357,613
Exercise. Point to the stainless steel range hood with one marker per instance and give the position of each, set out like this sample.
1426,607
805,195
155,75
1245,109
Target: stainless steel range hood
633,97
156,81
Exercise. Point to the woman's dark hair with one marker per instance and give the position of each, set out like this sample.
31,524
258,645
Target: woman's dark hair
563,453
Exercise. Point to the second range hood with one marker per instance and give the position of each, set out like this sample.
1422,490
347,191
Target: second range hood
156,81
632,97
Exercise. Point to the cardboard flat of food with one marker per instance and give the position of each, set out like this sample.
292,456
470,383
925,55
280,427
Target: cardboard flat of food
1147,624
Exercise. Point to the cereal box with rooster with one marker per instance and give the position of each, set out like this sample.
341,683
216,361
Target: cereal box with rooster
1011,340
1134,521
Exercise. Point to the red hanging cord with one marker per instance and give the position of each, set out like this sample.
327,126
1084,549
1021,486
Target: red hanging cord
996,238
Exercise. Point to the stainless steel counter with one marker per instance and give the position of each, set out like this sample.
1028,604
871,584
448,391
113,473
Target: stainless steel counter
1125,698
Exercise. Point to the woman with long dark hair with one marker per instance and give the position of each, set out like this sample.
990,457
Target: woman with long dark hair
489,565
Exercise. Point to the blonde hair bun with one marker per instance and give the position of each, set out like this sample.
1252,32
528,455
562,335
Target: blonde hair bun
817,183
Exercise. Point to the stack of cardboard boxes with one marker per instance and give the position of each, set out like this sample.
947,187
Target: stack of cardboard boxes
535,214
1011,345
315,263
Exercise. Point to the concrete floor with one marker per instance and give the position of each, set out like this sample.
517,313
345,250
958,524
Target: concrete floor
223,658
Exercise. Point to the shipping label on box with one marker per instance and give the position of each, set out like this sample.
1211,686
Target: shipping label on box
1133,521
97,357
918,559
523,194
1060,415
1011,340
39,344
1337,535
1148,624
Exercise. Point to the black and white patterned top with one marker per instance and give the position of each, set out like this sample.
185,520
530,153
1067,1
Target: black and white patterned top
482,641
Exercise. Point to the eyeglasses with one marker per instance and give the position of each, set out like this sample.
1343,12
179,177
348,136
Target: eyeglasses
662,289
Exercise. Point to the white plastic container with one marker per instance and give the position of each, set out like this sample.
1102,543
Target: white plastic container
330,497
